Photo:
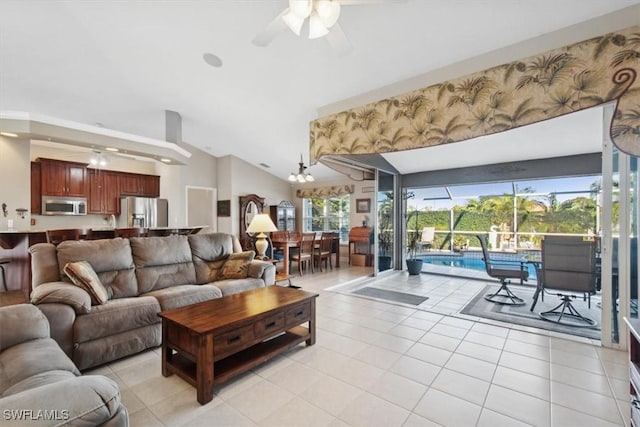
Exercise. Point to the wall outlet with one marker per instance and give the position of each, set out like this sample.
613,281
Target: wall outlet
33,221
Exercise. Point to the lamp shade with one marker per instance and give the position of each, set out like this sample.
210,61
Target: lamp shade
261,223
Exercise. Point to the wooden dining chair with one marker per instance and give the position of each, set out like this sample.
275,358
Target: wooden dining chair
323,251
130,232
58,236
305,252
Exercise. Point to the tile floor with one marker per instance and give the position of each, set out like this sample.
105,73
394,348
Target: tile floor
379,364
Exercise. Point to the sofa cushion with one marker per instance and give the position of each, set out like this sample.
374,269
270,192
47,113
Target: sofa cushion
114,317
209,252
83,276
38,380
237,266
20,323
179,296
115,270
62,293
30,358
90,400
230,287
162,262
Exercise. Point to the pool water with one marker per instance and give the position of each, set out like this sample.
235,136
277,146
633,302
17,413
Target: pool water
473,263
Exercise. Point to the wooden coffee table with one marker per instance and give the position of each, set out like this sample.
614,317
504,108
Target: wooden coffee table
210,342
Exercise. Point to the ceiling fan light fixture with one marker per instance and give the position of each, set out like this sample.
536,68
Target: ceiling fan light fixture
293,177
293,21
328,11
317,28
301,8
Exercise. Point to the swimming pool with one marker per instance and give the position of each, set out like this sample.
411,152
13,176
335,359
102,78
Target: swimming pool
474,261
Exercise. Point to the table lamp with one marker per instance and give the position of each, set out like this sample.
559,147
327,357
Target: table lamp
261,224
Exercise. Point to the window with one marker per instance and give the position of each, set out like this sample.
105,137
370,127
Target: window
327,215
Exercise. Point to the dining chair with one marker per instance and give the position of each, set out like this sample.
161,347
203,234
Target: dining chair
58,236
305,252
323,251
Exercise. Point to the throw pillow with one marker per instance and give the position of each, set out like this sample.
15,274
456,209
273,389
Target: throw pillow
83,276
237,265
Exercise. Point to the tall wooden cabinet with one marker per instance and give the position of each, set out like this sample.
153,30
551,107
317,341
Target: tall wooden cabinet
283,215
60,178
36,184
104,192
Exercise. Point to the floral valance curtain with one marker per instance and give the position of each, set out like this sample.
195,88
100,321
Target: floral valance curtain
533,89
325,192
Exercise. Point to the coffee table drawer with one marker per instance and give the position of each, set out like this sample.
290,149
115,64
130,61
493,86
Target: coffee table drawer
232,341
268,325
298,314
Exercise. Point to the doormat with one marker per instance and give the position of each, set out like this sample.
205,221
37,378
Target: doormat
521,315
391,295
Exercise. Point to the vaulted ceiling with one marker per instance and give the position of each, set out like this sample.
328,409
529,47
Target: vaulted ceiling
122,64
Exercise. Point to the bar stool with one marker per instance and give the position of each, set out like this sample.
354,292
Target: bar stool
4,261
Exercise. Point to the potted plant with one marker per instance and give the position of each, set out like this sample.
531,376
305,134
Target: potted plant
414,265
385,244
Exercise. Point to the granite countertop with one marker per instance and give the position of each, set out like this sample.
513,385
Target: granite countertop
98,228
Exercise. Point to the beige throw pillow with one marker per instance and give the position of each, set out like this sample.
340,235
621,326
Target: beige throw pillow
237,265
83,276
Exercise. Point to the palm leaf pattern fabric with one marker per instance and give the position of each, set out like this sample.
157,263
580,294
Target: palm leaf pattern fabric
537,88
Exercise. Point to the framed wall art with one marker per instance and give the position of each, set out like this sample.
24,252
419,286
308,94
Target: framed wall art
224,207
363,205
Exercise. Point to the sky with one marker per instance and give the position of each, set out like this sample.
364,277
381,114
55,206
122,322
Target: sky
462,193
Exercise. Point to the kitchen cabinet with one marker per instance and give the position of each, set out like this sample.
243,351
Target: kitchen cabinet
104,192
60,178
132,184
36,193
283,215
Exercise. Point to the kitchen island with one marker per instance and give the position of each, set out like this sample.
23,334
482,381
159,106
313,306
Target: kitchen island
14,245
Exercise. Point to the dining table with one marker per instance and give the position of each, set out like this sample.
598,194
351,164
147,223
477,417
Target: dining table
287,243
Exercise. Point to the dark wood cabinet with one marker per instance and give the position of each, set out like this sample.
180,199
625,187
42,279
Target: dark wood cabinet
104,192
283,215
634,369
36,184
132,184
151,185
102,188
60,178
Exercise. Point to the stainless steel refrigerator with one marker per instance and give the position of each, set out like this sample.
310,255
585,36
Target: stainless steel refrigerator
144,212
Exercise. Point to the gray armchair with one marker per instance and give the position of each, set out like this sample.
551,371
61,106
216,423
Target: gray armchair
569,267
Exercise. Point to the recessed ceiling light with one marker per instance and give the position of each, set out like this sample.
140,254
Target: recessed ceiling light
115,150
212,59
9,134
165,160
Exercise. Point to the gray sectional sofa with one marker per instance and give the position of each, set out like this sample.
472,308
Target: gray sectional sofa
39,385
143,276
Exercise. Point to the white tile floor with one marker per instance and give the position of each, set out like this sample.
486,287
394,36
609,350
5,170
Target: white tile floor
379,364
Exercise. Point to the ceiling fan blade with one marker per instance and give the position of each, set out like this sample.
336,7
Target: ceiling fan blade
270,32
338,40
363,2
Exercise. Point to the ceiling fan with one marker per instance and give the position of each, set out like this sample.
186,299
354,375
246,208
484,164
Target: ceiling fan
323,21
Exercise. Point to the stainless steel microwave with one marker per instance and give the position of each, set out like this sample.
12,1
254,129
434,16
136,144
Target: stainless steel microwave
64,205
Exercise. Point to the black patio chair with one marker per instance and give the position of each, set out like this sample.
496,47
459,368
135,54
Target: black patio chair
569,266
503,271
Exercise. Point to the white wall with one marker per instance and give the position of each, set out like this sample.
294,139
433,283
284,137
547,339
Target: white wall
200,171
238,178
15,180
